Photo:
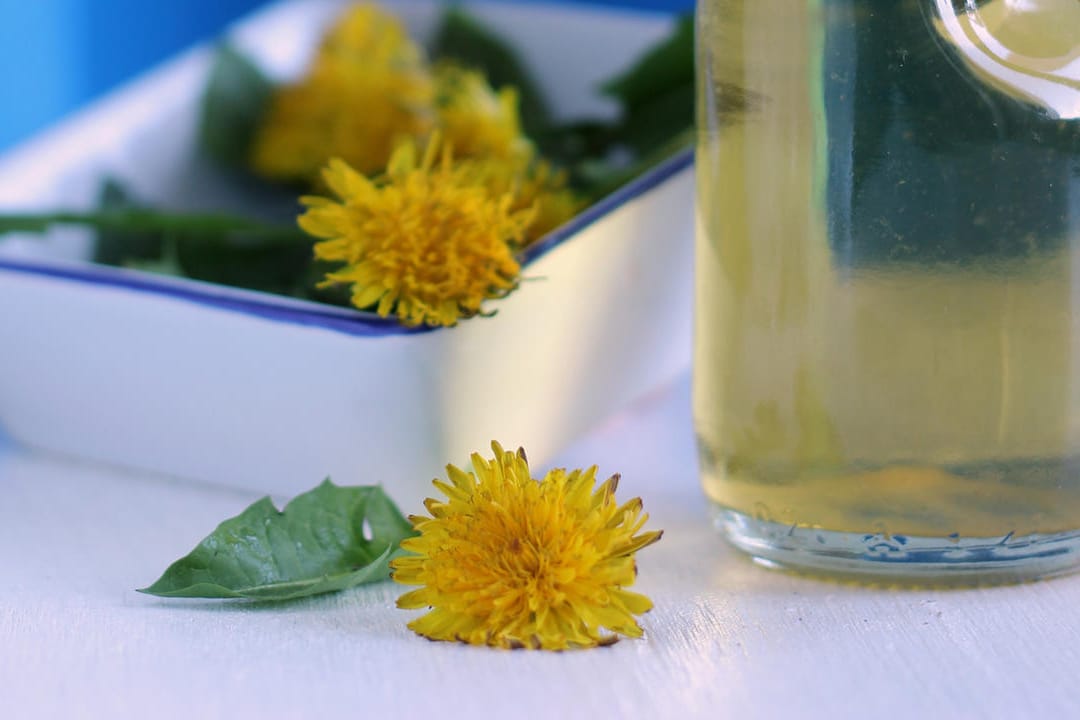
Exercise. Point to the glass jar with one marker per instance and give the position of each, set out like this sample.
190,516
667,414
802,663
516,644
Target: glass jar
887,352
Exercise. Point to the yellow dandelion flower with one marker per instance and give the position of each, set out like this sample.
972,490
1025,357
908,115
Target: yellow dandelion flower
536,185
365,33
555,204
368,88
484,127
475,119
424,241
511,562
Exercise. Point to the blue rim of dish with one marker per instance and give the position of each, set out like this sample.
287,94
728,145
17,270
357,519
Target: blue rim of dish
343,320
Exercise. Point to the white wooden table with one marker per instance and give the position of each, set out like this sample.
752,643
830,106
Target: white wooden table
727,639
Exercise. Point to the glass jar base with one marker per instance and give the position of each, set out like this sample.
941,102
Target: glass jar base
892,558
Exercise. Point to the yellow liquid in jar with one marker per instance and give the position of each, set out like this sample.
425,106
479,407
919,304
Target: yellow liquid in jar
931,388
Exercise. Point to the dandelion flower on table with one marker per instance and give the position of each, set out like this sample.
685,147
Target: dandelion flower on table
367,89
424,241
513,562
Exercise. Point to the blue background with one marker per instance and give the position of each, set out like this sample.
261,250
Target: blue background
56,55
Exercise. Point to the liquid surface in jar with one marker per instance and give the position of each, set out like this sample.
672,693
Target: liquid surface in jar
888,265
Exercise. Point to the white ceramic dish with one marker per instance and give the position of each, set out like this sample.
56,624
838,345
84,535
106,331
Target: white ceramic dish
258,391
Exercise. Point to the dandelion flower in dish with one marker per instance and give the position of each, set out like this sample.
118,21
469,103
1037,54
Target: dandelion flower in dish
424,241
368,88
